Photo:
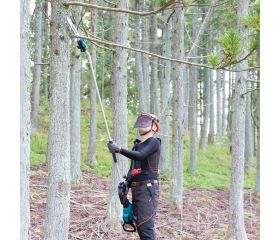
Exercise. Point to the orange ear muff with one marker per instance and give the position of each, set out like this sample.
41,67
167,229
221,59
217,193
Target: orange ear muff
157,125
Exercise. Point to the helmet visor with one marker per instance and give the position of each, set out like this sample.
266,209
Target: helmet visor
143,121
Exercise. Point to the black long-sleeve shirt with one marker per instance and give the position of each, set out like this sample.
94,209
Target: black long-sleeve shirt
145,155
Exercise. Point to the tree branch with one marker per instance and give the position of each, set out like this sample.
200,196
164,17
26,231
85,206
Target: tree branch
170,2
142,51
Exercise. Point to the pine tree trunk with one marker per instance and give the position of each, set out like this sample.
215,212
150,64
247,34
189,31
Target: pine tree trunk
186,98
206,102
229,105
258,139
119,114
165,94
212,112
138,64
75,106
24,119
154,105
37,68
58,155
223,89
236,230
248,133
219,102
177,109
193,98
91,154
145,58
45,32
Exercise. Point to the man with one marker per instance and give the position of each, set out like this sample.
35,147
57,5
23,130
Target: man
143,171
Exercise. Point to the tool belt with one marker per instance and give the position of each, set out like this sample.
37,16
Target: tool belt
141,183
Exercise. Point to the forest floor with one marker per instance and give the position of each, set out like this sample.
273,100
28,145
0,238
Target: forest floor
205,212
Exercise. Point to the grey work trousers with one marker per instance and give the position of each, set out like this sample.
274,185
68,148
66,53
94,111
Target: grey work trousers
145,201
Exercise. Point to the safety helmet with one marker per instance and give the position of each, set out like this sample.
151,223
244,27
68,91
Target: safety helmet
145,120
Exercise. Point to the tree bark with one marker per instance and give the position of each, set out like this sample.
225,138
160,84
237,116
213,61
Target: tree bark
223,89
75,106
186,98
91,155
206,106
37,68
193,97
258,146
24,119
165,94
248,133
45,32
119,112
236,230
138,64
212,112
219,102
58,154
145,58
176,193
154,105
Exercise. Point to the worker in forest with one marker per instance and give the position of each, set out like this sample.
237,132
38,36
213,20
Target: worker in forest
143,173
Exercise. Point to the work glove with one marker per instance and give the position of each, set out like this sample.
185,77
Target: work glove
114,148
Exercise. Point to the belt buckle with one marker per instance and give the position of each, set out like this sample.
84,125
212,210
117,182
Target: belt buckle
149,184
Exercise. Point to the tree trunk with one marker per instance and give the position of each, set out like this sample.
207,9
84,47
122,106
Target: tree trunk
193,97
165,94
258,146
91,155
229,105
58,155
212,112
177,109
186,98
145,58
236,230
75,106
219,102
154,105
24,119
223,89
119,112
37,68
248,133
206,106
45,32
138,64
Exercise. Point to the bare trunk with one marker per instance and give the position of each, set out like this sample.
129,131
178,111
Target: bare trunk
138,64
219,102
37,68
165,94
119,114
154,107
177,179
248,133
186,97
58,200
24,119
206,106
75,106
91,154
236,230
145,58
45,31
212,112
193,97
223,86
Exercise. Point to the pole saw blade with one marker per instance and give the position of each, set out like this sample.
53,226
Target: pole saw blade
72,26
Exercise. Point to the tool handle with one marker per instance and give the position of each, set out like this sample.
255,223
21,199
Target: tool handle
114,154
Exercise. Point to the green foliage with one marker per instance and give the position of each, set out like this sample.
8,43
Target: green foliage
230,44
213,60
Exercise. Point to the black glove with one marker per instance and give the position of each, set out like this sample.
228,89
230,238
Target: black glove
114,148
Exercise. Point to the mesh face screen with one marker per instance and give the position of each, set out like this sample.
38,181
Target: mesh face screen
143,121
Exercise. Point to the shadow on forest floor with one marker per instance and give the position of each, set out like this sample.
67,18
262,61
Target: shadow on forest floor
204,216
